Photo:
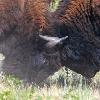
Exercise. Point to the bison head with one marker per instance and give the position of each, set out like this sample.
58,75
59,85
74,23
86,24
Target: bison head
27,55
80,21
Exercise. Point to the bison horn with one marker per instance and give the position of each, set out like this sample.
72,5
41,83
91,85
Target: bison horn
2,57
52,41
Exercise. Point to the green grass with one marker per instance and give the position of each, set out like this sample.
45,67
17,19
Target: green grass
13,89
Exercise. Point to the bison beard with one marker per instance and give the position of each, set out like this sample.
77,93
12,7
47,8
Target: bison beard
80,20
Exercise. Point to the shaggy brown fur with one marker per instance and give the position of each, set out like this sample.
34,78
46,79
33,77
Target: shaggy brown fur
85,15
27,13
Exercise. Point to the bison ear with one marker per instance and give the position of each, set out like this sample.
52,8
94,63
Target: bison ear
52,41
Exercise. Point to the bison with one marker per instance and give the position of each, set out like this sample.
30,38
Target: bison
37,42
22,24
80,21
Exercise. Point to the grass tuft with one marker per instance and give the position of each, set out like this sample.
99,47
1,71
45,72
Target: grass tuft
13,89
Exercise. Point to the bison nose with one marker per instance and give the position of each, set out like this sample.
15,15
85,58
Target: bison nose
52,41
